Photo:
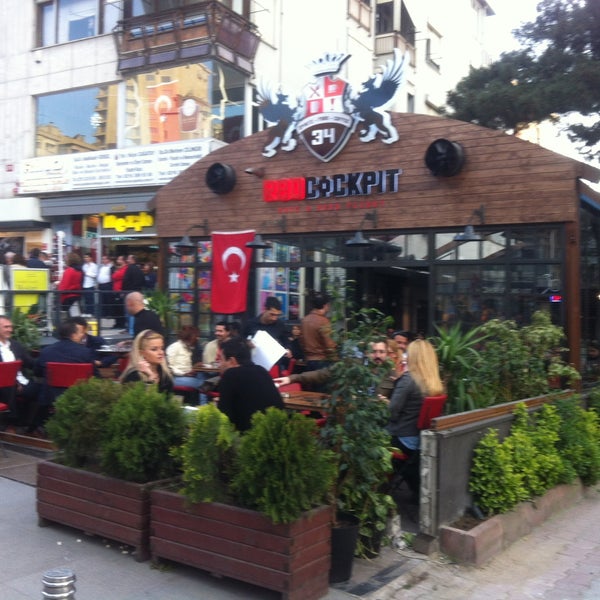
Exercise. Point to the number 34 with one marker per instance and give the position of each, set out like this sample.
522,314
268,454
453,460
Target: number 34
320,136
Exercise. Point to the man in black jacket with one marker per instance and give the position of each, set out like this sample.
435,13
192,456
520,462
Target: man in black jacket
143,318
244,387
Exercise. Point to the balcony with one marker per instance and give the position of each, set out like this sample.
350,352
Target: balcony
200,31
386,42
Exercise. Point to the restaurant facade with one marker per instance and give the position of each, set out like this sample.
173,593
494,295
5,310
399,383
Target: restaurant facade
430,220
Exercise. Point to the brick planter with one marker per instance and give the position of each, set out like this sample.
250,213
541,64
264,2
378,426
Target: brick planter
96,504
478,545
293,559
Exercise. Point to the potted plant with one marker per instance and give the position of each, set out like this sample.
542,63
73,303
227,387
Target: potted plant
251,507
25,329
114,444
355,431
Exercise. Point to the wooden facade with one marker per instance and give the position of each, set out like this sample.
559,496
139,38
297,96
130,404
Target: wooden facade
516,181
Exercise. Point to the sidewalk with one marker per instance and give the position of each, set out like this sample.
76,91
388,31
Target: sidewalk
558,561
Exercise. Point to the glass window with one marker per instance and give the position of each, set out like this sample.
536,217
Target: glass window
537,243
80,120
185,102
384,18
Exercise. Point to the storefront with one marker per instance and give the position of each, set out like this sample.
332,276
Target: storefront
531,243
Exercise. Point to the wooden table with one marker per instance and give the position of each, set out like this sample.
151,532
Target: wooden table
302,400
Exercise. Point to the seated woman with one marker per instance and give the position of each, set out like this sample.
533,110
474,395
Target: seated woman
421,379
180,360
147,361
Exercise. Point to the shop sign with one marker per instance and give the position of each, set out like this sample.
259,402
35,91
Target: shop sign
127,167
341,185
123,223
328,110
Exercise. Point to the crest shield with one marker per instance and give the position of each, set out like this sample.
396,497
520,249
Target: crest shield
326,121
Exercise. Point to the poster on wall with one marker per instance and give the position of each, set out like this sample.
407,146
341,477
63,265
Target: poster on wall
14,245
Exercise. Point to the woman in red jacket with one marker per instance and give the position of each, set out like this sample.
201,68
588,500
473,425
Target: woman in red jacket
72,281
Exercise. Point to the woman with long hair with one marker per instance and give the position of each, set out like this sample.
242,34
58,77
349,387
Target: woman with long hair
147,361
421,379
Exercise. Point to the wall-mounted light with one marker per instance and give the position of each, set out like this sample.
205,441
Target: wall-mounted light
185,245
258,172
469,235
359,239
258,243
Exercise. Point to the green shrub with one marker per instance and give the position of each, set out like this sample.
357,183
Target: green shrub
580,440
206,455
141,429
281,469
79,420
494,483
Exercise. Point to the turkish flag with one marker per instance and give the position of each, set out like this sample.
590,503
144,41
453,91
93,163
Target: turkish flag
231,267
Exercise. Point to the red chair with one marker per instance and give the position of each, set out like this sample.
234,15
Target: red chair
290,368
274,371
290,387
8,381
64,375
432,407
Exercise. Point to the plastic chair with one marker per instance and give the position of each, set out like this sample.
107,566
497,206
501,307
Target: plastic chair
64,375
290,387
432,407
8,379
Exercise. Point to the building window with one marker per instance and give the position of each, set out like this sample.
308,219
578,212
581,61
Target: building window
434,48
384,18
407,27
61,21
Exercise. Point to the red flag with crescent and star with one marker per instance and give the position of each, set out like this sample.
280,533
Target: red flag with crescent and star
231,267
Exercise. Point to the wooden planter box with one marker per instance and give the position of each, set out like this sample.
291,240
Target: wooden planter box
96,504
293,559
478,545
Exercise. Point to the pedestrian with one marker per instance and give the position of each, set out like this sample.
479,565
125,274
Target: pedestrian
318,345
119,311
105,285
133,281
90,277
34,261
70,285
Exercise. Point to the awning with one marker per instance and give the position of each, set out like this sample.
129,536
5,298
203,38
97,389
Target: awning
94,204
23,225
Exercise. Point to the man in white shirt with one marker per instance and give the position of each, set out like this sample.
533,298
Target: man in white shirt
211,353
105,286
90,275
25,389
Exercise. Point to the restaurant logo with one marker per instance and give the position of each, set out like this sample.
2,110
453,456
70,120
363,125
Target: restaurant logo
328,110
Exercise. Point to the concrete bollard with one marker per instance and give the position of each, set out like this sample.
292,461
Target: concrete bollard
59,583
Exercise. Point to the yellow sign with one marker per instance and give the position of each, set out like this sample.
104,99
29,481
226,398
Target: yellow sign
122,223
28,280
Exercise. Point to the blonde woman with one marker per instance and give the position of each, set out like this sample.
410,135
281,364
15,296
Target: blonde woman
147,361
421,379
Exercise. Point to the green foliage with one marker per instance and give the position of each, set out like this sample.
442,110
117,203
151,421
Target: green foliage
25,329
579,441
510,362
594,400
544,448
206,455
78,423
459,359
555,73
355,427
141,428
494,482
164,304
281,469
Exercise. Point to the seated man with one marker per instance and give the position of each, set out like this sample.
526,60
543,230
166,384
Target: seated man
68,349
94,343
244,387
26,388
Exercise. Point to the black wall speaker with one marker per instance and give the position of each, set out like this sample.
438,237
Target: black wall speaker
220,178
445,158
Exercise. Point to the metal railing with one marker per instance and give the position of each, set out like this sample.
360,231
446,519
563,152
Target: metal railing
104,309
